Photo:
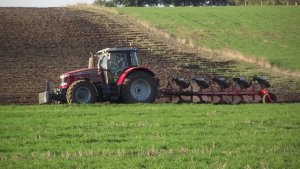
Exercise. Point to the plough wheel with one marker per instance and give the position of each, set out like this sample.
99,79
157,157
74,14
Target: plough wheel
266,99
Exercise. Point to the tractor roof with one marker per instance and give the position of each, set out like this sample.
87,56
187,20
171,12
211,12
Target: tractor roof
116,50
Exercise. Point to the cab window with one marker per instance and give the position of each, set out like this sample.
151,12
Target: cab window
134,59
119,61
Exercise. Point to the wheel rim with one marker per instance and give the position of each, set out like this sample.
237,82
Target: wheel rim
83,95
140,90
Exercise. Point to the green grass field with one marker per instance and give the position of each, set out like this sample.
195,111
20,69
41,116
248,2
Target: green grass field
270,32
150,136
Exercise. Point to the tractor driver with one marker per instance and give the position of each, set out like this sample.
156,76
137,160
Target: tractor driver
119,62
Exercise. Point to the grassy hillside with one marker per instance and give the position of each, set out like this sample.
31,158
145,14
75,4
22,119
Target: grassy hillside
270,32
150,136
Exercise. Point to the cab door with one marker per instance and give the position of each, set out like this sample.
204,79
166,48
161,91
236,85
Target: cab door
103,66
118,62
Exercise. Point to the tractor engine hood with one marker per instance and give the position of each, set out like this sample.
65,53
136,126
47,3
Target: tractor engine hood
90,74
79,72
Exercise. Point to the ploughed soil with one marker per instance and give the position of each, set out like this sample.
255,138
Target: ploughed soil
38,44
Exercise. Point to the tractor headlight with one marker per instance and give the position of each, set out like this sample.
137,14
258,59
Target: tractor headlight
64,79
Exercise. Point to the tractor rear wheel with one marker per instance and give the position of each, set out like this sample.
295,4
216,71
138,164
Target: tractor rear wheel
139,87
266,99
81,92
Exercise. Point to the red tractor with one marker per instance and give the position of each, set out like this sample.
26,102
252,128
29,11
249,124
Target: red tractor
117,78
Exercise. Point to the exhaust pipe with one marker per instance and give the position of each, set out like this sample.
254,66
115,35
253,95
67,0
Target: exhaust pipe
91,62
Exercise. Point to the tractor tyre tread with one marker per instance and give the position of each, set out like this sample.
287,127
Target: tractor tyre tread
126,96
70,92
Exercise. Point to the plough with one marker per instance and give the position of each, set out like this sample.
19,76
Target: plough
218,90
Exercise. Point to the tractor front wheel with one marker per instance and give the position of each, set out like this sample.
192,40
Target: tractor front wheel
139,87
81,92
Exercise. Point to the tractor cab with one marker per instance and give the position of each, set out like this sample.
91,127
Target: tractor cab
114,61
